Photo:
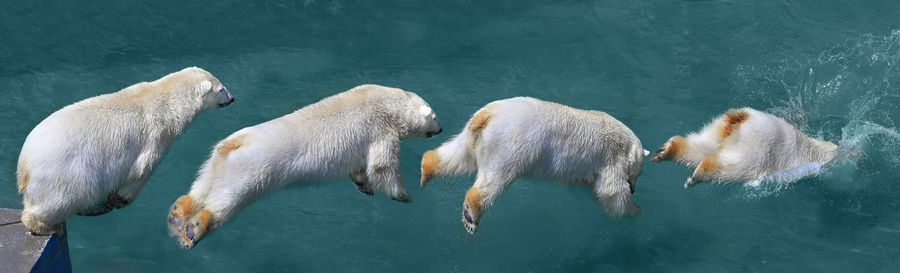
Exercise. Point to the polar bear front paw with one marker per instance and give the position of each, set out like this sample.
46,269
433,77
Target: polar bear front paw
365,188
403,198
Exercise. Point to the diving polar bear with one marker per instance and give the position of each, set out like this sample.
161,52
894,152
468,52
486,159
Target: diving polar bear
743,145
95,155
523,136
356,133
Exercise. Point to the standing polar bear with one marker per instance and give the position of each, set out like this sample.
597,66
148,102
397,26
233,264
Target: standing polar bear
95,155
743,145
356,133
523,136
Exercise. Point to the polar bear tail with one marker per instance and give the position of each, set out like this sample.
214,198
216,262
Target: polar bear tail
451,158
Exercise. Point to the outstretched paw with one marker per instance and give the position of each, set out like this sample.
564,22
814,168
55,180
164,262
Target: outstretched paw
365,188
195,228
180,213
708,170
469,222
690,182
661,154
403,198
668,150
116,201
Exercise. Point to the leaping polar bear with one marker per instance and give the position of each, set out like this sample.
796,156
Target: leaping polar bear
743,145
95,155
527,137
356,133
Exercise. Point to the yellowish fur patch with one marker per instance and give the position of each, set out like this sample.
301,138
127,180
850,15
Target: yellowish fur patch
230,145
474,198
733,119
184,206
205,219
477,124
676,147
23,177
430,163
709,164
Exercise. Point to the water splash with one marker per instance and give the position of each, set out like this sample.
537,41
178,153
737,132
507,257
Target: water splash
844,95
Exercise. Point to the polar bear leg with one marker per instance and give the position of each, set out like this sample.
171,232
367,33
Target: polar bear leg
224,199
673,149
181,211
196,227
126,193
362,181
709,169
383,169
112,201
481,195
40,221
612,190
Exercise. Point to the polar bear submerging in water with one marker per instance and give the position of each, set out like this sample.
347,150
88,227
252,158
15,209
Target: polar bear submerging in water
353,134
95,155
743,145
527,137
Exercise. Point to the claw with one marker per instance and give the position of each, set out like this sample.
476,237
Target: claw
195,228
468,221
365,189
404,199
689,183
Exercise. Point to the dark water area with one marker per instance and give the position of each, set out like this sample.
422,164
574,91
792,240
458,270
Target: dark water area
661,67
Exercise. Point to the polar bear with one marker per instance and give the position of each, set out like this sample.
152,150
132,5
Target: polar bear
95,155
743,145
524,136
355,133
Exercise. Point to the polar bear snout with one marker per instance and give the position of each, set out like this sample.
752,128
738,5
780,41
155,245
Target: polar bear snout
435,129
225,97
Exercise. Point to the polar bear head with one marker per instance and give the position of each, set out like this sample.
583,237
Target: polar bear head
421,120
206,88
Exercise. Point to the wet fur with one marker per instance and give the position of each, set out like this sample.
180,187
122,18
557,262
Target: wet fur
95,155
527,137
353,134
743,145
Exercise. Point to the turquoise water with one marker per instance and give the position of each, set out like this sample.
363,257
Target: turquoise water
661,67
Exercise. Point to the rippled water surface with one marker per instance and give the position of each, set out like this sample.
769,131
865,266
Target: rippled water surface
661,67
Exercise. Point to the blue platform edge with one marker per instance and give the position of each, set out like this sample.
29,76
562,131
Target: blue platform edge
55,257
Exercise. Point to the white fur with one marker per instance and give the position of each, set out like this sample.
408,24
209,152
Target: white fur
96,154
527,137
356,133
760,145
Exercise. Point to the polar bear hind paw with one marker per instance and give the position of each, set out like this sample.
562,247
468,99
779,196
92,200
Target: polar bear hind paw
468,221
669,150
178,216
195,228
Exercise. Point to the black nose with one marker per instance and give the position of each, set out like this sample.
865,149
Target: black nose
439,130
429,134
232,100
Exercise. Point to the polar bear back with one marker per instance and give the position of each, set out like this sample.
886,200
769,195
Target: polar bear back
320,142
94,144
558,142
762,143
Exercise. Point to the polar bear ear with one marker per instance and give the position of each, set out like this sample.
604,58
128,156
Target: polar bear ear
646,152
424,110
204,86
